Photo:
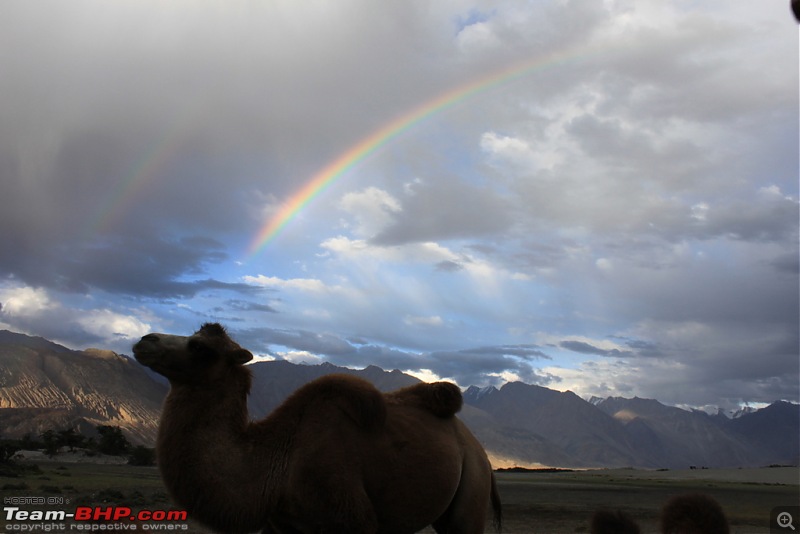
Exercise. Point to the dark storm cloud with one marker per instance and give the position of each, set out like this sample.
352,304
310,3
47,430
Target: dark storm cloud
82,221
144,267
788,263
709,292
448,266
520,351
247,306
642,347
167,126
301,340
338,351
768,216
487,364
733,361
587,348
467,366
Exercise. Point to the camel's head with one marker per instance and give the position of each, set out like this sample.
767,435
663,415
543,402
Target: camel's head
194,359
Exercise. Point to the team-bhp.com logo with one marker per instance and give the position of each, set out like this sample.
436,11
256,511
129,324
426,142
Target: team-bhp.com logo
92,518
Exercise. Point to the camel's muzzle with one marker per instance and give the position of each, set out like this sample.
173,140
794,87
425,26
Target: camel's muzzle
146,349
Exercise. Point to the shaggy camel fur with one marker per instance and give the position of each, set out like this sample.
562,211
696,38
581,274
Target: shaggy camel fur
336,456
608,522
691,513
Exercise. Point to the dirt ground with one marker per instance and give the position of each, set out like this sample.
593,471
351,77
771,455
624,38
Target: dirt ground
564,502
533,502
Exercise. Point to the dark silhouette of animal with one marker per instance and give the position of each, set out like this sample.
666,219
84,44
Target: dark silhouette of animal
337,456
608,522
691,513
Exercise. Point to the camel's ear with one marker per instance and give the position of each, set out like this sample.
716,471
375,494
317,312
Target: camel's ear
241,356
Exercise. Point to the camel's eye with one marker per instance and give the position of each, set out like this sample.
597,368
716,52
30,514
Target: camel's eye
198,348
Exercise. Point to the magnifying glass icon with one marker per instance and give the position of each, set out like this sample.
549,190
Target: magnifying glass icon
785,520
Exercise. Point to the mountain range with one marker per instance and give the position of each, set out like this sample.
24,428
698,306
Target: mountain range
44,386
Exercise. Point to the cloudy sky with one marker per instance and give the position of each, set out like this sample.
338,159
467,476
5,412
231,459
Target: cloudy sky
600,196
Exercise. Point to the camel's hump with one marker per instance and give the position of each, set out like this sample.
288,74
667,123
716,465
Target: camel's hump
442,399
355,397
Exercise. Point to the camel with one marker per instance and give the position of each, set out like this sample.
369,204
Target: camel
693,513
608,522
690,513
337,456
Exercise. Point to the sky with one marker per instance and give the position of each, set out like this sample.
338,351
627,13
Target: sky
596,196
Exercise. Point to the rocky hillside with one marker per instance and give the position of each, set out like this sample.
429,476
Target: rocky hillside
47,386
631,432
672,436
773,430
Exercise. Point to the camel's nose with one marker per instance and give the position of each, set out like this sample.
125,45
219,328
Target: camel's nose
146,344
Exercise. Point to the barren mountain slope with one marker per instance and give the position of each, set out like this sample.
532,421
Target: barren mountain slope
43,387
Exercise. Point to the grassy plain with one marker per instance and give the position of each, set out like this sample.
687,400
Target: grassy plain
533,502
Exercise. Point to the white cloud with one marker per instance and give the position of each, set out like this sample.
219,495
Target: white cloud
773,192
506,376
478,276
604,264
426,375
25,301
345,245
297,284
362,250
503,145
109,325
700,211
37,311
371,208
430,321
617,378
477,38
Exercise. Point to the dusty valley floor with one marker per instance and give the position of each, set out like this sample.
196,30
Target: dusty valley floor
564,502
534,502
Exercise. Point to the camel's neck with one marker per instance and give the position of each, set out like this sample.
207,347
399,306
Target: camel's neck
217,409
211,456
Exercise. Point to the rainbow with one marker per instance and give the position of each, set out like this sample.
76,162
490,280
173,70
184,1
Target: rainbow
383,135
143,172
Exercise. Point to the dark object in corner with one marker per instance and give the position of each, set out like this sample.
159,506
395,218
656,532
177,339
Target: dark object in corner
608,522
